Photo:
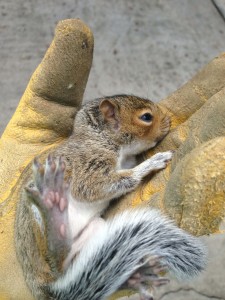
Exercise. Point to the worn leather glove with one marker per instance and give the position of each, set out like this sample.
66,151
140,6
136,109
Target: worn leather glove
43,119
191,190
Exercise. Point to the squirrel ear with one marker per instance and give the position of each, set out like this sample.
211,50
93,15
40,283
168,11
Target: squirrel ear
109,112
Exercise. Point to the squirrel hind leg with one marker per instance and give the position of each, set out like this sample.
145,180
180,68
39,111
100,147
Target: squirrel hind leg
49,192
148,277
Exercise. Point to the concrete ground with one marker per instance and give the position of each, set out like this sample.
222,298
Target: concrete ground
148,48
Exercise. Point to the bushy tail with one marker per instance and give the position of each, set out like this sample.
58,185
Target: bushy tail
112,256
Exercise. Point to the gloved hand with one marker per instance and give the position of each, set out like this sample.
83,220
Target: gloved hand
191,190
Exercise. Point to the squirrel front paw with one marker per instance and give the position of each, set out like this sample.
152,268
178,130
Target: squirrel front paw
49,193
156,162
160,160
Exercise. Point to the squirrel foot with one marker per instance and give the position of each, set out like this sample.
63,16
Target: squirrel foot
49,193
147,278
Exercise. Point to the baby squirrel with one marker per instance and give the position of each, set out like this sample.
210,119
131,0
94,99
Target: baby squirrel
66,250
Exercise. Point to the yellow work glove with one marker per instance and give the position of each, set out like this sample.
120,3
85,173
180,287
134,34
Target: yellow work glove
191,191
43,119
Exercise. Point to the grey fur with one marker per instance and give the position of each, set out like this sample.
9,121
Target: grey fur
94,156
110,259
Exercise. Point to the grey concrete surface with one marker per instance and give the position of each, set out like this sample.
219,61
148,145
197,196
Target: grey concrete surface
220,6
144,47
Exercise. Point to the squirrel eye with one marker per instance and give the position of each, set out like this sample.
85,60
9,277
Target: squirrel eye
147,117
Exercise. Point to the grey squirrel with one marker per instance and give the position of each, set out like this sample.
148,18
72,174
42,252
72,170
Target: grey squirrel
66,249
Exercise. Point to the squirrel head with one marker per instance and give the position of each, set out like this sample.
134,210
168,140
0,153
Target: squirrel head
134,119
